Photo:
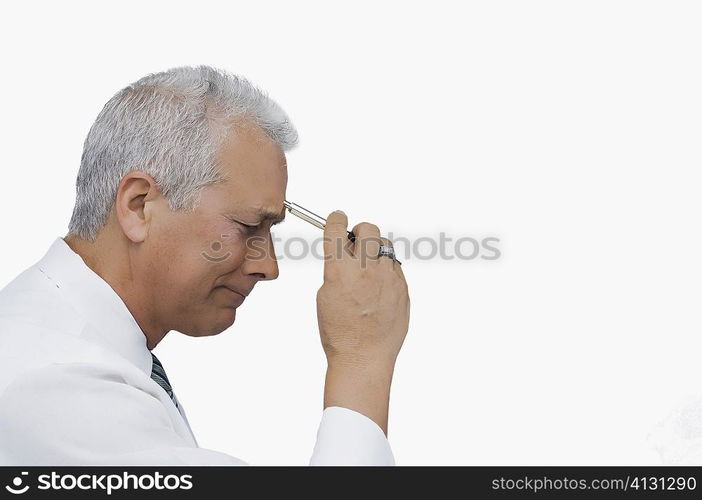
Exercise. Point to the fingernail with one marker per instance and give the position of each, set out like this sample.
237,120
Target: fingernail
340,212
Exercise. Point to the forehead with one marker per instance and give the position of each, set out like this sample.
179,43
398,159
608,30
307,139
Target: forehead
254,168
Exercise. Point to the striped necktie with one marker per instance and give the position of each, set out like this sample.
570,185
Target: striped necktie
158,374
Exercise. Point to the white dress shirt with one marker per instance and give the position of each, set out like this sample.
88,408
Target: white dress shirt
76,387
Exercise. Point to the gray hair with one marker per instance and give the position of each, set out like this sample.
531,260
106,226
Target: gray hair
169,125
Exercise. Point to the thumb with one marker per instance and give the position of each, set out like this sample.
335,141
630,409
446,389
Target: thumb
335,236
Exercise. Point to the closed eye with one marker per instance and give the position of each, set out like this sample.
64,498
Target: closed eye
250,228
257,226
253,228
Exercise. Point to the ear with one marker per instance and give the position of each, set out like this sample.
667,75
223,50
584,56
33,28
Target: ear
134,204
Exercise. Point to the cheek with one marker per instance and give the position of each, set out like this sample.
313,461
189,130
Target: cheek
194,255
212,265
224,253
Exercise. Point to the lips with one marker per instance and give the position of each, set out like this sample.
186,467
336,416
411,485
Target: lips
236,298
244,293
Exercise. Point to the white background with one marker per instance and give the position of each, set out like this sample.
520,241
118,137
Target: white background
570,130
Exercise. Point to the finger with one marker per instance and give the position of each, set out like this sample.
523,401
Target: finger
336,243
367,244
396,266
385,262
398,270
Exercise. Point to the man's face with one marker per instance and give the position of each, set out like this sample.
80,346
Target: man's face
199,263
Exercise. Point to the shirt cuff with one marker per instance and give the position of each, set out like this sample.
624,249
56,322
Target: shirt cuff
346,437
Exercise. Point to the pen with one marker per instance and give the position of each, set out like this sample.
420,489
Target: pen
310,217
319,221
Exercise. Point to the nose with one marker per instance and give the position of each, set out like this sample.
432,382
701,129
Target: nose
261,260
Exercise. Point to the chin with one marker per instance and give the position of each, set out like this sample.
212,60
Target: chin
223,320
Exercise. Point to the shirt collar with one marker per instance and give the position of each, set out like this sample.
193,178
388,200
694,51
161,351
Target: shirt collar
109,320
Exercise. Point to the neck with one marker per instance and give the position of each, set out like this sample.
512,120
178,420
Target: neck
113,259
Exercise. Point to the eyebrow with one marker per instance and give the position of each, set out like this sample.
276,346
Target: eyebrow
261,214
274,217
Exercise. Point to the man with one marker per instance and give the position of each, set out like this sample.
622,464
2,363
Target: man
174,162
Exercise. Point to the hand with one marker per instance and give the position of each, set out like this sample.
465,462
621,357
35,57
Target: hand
363,315
363,305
